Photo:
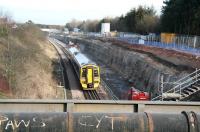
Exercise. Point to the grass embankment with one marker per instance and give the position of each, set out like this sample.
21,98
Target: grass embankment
28,62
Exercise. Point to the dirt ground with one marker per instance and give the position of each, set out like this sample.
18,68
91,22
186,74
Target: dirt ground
35,78
38,82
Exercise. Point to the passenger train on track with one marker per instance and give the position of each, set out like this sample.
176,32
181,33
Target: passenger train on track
87,71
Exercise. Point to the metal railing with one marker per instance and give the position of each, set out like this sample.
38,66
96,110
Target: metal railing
183,83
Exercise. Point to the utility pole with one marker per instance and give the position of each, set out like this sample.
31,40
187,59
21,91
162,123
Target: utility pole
162,85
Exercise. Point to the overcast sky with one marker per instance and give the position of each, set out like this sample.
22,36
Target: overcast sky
61,11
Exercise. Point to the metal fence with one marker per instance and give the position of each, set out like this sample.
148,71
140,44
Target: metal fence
189,44
184,43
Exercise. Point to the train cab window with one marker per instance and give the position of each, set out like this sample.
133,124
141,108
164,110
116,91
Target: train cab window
96,73
83,72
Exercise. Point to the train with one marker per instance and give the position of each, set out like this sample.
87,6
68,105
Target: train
87,71
134,94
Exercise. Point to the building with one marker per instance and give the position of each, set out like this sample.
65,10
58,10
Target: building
105,28
76,30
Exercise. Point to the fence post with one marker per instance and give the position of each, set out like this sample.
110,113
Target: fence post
180,91
195,41
162,85
196,74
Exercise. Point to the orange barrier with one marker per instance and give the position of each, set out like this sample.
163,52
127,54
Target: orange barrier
167,37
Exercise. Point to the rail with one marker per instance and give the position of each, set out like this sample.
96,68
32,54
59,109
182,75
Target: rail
91,95
62,68
109,91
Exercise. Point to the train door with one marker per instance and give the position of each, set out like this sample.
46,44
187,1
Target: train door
90,77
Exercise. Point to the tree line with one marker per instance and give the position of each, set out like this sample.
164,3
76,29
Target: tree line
181,16
141,20
177,16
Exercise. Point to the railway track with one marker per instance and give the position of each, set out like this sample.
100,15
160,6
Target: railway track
71,79
63,67
88,94
91,95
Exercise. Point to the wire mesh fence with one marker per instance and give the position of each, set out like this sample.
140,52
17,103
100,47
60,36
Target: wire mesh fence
190,44
184,43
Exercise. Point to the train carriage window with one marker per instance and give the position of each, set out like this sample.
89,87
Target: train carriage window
76,53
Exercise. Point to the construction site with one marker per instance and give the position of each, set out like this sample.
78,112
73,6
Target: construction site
138,72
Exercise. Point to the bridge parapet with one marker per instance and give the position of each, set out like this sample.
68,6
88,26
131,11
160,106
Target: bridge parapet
20,105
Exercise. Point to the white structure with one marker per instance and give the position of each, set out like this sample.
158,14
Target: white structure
105,28
66,31
141,41
51,30
76,30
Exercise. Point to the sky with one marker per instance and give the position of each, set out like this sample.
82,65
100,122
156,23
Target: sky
60,12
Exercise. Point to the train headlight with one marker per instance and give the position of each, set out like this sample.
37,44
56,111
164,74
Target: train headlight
83,82
82,79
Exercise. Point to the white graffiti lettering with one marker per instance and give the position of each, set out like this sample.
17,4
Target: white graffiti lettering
84,118
42,123
14,124
99,121
3,119
10,123
17,123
